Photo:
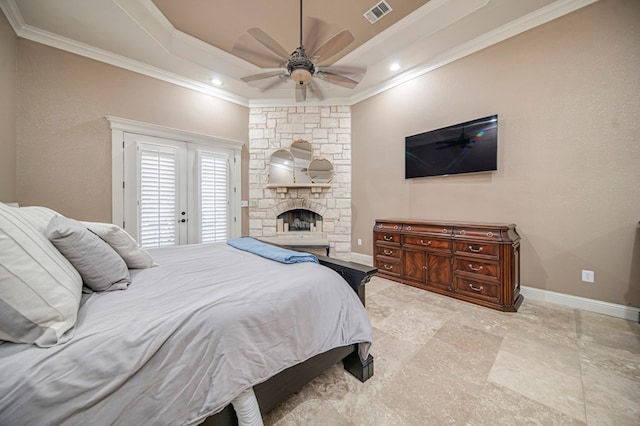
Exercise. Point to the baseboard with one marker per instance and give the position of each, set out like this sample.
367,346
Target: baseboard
576,302
365,259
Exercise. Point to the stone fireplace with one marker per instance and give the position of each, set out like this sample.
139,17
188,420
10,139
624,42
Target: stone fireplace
328,209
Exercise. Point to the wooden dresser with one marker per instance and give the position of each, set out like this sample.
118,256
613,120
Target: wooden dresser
476,262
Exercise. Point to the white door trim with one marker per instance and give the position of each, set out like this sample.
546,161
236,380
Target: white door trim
120,126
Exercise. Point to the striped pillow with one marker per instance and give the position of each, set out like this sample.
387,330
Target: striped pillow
40,290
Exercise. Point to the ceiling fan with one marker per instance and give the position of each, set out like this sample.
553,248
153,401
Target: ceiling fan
299,66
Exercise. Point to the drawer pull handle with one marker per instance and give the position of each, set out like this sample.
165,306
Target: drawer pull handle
475,250
380,225
388,238
409,228
424,267
388,267
444,230
462,232
474,268
395,227
489,234
387,252
428,243
476,288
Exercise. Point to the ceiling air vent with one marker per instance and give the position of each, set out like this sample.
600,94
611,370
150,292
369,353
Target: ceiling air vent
377,11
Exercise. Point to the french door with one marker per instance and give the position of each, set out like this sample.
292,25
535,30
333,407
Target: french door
176,192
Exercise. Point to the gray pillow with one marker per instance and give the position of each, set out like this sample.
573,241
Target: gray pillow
101,268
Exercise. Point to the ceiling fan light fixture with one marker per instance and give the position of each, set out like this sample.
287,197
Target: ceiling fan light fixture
301,75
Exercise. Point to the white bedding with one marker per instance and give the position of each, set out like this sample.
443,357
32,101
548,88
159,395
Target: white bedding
182,341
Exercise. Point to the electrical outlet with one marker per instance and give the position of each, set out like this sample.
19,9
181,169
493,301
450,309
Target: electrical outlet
588,276
359,241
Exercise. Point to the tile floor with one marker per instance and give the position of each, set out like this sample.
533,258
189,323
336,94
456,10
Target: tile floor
443,361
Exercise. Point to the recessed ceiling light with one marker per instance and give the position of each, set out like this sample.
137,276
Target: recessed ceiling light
216,82
394,66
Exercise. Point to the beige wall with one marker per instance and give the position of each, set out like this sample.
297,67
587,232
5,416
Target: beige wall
568,98
64,141
8,85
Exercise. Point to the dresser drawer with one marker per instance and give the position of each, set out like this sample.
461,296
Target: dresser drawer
428,243
429,229
477,289
478,267
387,237
490,251
478,233
388,251
388,265
388,226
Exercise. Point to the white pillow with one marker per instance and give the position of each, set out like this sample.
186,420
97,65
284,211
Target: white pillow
124,244
99,265
40,290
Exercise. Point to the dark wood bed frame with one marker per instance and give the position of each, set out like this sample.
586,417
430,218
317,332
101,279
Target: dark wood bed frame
284,384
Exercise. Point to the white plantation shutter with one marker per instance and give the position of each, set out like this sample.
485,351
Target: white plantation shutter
158,187
214,196
174,192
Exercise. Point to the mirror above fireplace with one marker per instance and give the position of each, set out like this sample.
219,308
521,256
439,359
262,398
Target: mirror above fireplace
281,167
302,152
296,167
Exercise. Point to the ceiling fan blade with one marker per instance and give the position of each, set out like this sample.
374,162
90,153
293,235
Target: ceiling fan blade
315,91
261,59
269,43
334,45
261,76
337,79
282,79
301,92
355,72
315,30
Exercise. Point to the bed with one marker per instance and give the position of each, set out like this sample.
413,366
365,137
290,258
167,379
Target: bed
187,337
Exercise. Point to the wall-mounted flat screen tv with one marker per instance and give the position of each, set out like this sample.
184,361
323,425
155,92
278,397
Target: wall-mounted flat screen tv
468,147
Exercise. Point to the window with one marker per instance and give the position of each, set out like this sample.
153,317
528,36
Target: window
169,191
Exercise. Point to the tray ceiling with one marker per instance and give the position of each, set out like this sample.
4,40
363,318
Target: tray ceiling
191,42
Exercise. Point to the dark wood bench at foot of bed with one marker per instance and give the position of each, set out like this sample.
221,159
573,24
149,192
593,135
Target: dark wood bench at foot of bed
284,384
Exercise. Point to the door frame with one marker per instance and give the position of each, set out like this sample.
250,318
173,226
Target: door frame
120,126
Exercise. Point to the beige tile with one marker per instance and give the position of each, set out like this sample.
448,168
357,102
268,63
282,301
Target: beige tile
377,284
374,411
554,355
390,356
556,389
466,360
501,406
439,360
380,307
616,360
615,333
311,412
602,416
413,323
607,393
402,292
422,398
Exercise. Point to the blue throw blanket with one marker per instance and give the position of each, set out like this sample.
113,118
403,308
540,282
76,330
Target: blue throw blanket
269,251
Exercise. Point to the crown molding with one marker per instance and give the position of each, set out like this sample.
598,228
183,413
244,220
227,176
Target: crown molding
527,22
11,11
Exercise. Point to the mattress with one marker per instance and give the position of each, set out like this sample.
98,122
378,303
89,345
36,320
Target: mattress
185,339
